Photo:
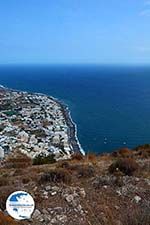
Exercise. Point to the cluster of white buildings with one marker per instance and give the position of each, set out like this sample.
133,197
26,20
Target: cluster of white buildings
33,124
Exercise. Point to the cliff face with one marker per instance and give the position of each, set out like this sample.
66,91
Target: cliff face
110,189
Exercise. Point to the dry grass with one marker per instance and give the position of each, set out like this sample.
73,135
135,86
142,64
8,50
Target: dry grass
85,171
7,220
143,151
77,157
4,193
139,215
91,157
102,203
81,170
56,176
17,160
125,153
126,166
4,181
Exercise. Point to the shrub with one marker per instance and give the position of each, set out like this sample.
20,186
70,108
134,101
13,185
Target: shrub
18,160
91,157
85,171
114,154
108,181
44,159
65,165
145,146
56,176
143,151
126,166
125,152
77,156
25,180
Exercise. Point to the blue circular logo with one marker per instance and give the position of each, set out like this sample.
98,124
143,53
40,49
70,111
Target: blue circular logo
20,205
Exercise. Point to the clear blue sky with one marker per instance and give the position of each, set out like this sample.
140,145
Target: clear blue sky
74,31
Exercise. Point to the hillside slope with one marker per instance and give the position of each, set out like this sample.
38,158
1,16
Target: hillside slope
112,189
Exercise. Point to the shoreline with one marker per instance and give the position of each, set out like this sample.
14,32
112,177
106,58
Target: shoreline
72,127
74,141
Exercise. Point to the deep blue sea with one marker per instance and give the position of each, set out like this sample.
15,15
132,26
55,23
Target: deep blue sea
110,104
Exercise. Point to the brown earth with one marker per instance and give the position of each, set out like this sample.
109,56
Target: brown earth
109,189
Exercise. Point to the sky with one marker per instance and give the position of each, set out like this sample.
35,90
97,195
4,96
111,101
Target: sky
75,31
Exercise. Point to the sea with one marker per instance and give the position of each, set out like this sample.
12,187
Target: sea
110,104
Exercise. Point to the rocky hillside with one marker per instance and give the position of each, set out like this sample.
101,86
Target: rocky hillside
109,189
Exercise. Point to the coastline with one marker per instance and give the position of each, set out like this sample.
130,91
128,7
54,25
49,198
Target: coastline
72,127
74,141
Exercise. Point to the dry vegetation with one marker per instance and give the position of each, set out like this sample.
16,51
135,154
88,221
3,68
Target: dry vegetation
111,189
126,165
6,220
